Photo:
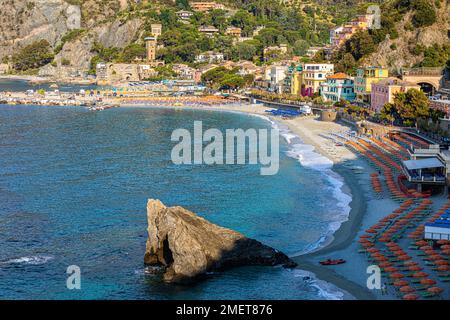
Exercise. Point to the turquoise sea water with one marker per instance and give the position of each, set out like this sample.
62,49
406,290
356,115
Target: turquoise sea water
73,191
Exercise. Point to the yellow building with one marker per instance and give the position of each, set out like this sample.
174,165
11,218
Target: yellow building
233,31
297,83
364,79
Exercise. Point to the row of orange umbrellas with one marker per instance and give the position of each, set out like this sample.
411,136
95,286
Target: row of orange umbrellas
389,148
376,184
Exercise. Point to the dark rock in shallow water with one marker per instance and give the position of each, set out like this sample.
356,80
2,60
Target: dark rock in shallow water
189,246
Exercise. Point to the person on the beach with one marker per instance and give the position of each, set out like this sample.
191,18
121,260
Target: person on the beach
384,289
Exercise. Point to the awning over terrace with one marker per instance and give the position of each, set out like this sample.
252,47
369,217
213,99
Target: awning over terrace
423,164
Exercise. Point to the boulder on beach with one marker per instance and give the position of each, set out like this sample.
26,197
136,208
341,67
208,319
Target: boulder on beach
187,246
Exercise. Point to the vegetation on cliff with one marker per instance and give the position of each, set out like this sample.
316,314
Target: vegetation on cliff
398,17
33,56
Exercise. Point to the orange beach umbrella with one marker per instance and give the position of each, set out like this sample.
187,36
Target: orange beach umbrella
420,274
407,289
427,282
421,243
385,264
441,262
443,268
396,276
390,269
414,268
436,290
410,296
401,283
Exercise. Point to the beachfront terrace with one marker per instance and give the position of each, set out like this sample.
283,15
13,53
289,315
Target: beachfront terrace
430,171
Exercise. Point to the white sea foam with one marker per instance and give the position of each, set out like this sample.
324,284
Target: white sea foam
325,290
309,158
31,260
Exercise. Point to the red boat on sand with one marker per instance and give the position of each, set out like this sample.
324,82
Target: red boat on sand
330,262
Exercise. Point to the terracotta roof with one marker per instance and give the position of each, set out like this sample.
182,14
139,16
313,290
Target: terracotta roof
339,75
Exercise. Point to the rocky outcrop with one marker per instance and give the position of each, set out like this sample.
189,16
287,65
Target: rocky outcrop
188,246
78,52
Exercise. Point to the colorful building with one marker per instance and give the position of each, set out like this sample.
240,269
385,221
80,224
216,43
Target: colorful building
210,57
338,86
297,81
313,75
233,31
364,79
206,6
384,91
340,34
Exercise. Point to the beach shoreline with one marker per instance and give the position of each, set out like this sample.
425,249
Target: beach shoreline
347,231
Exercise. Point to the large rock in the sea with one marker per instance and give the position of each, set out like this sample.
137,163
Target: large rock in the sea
188,246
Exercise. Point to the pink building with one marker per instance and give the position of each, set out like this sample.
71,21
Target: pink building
384,91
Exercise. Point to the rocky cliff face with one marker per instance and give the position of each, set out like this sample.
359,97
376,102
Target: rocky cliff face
23,22
79,51
399,53
188,246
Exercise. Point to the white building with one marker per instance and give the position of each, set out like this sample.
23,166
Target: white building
439,229
184,15
209,57
276,75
